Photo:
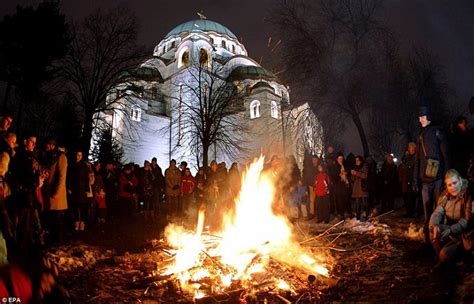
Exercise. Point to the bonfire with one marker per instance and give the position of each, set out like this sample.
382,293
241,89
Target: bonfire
255,252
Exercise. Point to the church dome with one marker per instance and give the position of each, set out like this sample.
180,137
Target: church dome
250,72
199,25
263,85
143,73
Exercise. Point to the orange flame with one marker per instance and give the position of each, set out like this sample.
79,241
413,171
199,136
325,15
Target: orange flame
251,237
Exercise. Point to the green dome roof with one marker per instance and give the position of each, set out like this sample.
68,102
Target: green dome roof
250,72
200,25
143,73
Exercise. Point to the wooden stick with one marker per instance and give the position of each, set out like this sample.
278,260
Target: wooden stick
323,233
301,230
335,239
381,215
283,299
342,249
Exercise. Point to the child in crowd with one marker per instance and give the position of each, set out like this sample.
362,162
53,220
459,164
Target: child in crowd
188,183
298,198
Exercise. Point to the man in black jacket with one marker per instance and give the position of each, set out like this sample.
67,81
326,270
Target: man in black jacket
432,161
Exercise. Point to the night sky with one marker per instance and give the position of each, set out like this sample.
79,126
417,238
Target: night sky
445,27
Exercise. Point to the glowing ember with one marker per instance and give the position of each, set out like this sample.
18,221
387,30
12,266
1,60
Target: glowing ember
282,285
252,237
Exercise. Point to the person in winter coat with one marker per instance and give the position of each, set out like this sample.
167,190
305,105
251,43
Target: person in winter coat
214,192
8,144
91,208
310,169
159,185
172,190
359,188
432,160
406,178
322,192
188,184
389,178
451,218
147,180
341,183
111,178
293,172
26,185
234,180
56,166
127,189
100,193
371,181
199,191
6,225
297,201
78,185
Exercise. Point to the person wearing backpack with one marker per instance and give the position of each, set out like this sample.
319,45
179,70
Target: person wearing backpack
360,192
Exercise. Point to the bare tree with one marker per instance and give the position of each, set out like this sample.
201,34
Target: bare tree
209,111
413,80
104,46
336,48
302,128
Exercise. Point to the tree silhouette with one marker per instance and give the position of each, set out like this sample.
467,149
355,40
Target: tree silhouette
106,149
334,47
104,47
31,40
210,111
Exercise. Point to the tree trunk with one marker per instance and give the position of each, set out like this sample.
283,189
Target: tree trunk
87,133
6,97
363,137
205,155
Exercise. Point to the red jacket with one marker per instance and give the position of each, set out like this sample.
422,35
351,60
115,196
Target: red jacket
127,186
15,283
321,184
187,184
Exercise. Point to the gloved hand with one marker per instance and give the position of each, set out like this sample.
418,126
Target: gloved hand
445,233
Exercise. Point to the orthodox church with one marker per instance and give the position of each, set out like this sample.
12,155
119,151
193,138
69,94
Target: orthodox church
148,121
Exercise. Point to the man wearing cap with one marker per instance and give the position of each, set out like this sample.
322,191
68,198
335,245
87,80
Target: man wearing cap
56,164
432,161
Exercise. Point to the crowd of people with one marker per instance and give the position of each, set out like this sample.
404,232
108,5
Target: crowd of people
45,196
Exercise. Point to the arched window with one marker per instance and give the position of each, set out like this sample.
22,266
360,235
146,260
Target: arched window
274,109
184,58
223,44
254,109
203,57
173,44
136,113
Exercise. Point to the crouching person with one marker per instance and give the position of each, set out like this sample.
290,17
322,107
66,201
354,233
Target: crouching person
449,221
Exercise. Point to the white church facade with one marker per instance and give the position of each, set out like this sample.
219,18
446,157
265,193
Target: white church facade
150,113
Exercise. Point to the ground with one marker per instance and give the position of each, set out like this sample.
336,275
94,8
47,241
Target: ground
378,262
